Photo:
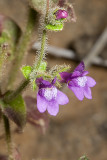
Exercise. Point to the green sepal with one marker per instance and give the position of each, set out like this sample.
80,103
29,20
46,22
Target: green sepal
26,70
43,66
58,69
57,27
15,110
34,85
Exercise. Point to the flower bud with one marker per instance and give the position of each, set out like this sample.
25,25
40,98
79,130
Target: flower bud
60,14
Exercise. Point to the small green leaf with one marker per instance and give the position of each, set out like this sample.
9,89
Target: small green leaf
43,66
26,70
16,111
57,27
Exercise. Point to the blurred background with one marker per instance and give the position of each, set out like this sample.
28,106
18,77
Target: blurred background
80,127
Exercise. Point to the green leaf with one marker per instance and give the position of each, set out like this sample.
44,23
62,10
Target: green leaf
26,70
15,110
43,66
57,27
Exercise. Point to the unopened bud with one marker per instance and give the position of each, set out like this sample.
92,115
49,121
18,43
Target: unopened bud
60,14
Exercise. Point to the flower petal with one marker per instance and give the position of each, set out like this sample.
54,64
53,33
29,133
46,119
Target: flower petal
76,74
73,83
87,92
54,81
90,81
41,103
85,73
78,92
65,76
53,108
80,67
62,98
43,83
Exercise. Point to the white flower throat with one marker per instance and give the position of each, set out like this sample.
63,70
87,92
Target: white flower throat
50,93
82,81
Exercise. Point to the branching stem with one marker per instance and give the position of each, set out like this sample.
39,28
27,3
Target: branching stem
26,82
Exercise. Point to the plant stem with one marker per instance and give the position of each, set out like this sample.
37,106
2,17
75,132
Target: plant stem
22,86
43,40
42,49
8,137
47,9
3,50
22,46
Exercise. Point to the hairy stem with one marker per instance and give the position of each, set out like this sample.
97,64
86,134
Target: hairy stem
42,49
47,8
8,137
22,46
14,94
2,57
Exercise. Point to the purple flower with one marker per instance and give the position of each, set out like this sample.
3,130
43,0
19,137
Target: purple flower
78,82
49,97
60,14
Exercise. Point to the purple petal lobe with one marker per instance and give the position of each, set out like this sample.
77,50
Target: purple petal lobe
73,83
41,103
87,92
53,108
62,98
80,67
76,74
91,82
65,76
85,73
78,92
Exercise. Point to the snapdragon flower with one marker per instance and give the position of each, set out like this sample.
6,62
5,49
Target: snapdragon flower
78,82
49,97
